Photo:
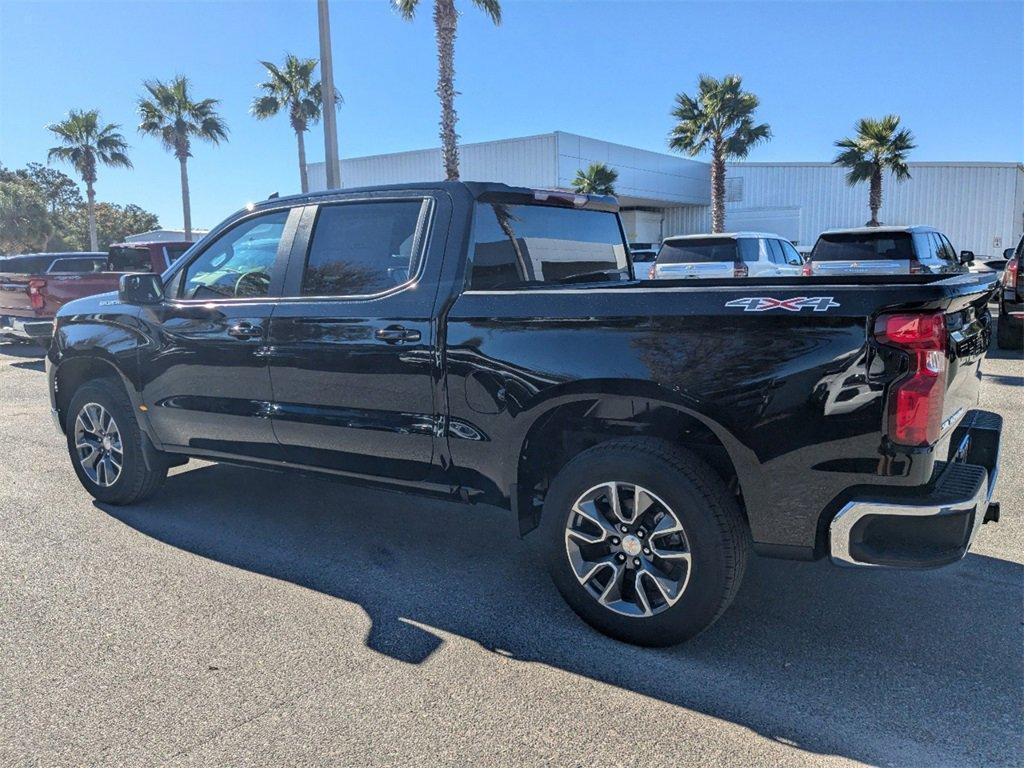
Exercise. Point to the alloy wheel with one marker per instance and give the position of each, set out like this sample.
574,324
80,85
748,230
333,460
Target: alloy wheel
628,549
98,445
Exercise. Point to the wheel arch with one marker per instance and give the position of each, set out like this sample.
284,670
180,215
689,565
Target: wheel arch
575,421
74,371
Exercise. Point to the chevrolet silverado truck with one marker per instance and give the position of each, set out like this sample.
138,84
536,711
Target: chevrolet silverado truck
492,345
34,287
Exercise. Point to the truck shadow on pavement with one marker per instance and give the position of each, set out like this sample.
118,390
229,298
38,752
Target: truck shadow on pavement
911,667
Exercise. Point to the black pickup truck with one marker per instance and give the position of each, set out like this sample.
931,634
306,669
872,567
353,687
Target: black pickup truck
491,344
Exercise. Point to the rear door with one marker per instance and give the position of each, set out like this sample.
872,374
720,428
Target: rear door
354,365
206,380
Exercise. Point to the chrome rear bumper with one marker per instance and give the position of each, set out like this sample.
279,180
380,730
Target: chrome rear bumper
935,527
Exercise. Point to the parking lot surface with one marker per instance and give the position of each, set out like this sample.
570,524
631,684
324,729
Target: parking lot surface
253,618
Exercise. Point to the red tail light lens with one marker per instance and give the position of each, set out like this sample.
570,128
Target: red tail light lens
652,273
35,293
914,407
916,267
807,270
1011,278
739,269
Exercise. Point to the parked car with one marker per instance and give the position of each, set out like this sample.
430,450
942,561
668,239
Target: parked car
736,254
643,253
886,251
486,343
1010,328
34,287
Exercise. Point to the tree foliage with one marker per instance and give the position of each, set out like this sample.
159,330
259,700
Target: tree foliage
878,146
719,119
597,179
25,224
113,224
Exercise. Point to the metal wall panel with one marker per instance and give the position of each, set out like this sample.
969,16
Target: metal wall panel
978,205
645,177
528,162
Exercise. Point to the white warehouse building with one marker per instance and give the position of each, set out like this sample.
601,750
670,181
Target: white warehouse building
979,205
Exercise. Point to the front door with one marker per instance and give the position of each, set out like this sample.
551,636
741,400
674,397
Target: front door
353,363
206,380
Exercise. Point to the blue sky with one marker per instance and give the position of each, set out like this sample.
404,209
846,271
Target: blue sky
610,70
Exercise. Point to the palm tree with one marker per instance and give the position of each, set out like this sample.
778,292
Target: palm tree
85,144
291,87
172,115
598,179
880,145
446,20
719,118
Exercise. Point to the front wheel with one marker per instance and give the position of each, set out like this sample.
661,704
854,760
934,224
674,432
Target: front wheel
644,541
106,445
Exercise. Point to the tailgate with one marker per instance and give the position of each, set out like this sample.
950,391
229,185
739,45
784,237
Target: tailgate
865,267
60,289
14,298
705,270
969,323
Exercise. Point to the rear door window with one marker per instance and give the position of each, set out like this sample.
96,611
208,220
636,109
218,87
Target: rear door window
363,249
775,251
791,254
867,246
516,245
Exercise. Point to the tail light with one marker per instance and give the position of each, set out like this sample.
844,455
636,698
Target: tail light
914,407
35,293
1012,279
740,269
652,273
807,270
916,267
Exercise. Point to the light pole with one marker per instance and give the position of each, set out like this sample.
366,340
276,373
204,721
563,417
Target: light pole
327,88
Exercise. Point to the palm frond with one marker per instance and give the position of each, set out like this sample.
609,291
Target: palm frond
405,8
492,8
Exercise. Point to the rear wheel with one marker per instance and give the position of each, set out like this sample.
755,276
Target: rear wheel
106,445
644,541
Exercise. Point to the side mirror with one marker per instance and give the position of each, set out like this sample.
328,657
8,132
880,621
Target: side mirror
141,288
1008,253
966,257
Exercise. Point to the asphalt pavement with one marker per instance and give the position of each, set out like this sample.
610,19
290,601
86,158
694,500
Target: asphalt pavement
252,618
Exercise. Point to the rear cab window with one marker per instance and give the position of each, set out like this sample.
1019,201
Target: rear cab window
518,245
864,246
129,259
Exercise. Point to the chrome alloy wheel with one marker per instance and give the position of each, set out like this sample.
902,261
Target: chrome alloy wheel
98,444
628,549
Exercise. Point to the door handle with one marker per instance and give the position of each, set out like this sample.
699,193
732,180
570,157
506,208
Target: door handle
396,333
245,330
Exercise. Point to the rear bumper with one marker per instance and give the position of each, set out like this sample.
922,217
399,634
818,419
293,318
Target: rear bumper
25,328
931,526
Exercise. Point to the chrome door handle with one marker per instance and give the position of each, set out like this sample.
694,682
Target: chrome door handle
396,333
245,330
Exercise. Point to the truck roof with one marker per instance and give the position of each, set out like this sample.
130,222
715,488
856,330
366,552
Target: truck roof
726,235
909,229
477,189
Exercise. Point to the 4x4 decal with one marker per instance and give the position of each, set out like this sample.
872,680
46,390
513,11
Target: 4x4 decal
765,303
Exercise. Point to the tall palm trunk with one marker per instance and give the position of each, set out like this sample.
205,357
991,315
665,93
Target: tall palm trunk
303,178
186,206
875,196
718,187
90,209
445,23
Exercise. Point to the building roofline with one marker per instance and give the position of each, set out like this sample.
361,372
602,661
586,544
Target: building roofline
912,163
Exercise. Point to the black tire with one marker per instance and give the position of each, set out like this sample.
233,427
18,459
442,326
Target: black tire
1009,335
135,481
717,536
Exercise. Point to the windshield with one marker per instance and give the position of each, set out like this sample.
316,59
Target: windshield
707,250
863,246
